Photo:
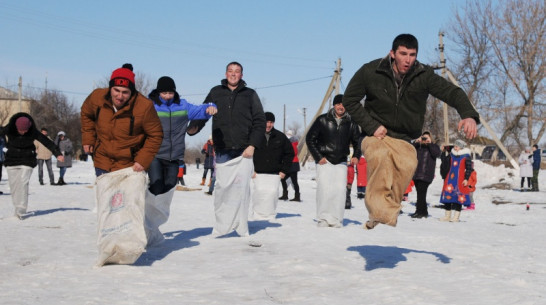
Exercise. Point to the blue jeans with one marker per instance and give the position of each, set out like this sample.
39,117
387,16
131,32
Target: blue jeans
100,172
163,175
62,171
224,155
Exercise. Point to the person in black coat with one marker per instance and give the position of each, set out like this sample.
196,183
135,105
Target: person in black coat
20,157
427,153
275,154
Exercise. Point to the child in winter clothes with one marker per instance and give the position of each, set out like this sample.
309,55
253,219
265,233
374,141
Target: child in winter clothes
459,183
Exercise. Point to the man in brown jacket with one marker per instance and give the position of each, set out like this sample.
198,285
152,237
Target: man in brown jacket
44,156
120,126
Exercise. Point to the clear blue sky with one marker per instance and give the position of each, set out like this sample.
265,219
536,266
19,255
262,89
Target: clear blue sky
77,44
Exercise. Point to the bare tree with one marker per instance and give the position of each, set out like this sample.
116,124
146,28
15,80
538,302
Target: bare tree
502,65
51,109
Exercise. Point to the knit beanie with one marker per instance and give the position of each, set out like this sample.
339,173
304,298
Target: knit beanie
460,143
165,84
23,123
123,77
269,117
338,99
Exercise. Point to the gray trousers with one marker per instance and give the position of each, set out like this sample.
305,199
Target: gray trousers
49,170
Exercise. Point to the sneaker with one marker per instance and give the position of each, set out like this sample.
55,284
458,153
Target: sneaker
322,223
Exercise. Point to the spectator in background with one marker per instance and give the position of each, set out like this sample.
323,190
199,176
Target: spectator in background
427,153
2,146
65,145
20,157
208,151
536,168
293,171
44,156
459,183
525,161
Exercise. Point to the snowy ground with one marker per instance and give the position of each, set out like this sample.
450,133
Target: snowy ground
494,256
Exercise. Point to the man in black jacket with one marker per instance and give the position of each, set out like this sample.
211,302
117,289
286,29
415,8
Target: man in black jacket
328,141
396,89
272,161
237,129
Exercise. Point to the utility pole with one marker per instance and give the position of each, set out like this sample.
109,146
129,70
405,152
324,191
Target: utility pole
304,118
284,119
443,66
20,92
303,152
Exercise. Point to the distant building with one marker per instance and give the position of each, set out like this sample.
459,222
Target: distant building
10,104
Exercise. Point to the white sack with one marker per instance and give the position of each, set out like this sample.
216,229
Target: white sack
265,196
232,196
120,212
18,179
157,212
331,193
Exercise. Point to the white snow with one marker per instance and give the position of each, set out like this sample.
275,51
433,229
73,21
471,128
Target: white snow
495,255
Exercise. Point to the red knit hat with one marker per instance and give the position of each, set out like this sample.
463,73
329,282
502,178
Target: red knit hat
23,123
123,77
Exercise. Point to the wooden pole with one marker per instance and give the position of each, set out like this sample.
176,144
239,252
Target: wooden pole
303,152
444,105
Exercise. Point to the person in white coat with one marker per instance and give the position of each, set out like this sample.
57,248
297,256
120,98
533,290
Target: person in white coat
525,161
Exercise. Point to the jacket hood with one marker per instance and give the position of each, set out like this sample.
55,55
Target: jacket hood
464,151
154,96
12,129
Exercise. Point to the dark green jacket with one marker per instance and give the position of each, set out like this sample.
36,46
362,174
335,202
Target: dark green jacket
400,110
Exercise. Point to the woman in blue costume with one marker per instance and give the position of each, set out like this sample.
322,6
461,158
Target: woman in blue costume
459,182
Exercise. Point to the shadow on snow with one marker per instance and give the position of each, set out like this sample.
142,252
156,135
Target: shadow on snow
174,241
388,257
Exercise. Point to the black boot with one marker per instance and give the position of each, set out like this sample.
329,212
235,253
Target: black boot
41,182
296,197
348,199
284,195
61,181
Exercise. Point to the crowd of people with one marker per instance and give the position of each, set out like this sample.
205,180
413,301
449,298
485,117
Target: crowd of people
373,132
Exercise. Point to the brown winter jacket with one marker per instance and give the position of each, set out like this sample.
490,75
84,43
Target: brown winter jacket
115,145
42,153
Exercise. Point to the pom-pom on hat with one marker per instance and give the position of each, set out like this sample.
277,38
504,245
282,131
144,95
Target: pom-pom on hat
269,117
165,84
123,77
337,99
23,123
